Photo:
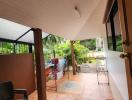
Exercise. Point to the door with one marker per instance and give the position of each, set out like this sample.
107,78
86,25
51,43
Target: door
125,15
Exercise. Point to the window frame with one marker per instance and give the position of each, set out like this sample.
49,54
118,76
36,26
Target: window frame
110,20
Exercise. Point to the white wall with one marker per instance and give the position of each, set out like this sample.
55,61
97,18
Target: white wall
116,68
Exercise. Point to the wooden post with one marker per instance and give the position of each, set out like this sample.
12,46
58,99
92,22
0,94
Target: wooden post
73,58
40,65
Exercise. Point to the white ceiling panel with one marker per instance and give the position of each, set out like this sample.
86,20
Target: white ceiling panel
57,17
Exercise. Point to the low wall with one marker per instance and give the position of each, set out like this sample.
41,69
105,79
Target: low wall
19,68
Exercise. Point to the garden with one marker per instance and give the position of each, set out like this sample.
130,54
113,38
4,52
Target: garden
57,47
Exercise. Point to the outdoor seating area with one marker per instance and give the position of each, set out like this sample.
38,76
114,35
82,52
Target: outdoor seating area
61,78
65,50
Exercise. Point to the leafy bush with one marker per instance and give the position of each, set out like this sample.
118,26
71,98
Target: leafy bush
80,52
64,49
89,43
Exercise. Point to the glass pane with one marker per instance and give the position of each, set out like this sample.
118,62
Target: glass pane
109,34
117,32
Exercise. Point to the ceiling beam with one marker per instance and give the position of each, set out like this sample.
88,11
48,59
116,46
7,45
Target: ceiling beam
23,34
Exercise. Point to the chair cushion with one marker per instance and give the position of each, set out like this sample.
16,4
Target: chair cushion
6,91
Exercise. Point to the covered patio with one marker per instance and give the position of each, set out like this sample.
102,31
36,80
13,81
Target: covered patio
28,22
72,86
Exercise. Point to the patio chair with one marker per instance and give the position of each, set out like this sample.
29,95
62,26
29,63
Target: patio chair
53,74
7,92
78,69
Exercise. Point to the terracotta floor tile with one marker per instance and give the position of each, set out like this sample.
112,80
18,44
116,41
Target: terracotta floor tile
87,89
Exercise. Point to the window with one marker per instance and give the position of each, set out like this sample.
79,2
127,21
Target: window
109,35
117,32
113,30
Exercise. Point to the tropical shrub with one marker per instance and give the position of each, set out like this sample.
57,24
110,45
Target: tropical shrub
64,49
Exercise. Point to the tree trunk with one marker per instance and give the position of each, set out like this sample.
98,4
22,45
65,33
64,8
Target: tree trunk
54,53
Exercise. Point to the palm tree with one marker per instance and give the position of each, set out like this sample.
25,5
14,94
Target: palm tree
50,41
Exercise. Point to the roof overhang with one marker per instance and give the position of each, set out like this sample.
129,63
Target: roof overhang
13,31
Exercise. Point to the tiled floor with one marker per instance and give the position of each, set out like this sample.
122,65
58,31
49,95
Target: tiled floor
87,89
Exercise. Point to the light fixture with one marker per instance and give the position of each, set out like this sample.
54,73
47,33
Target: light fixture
77,12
